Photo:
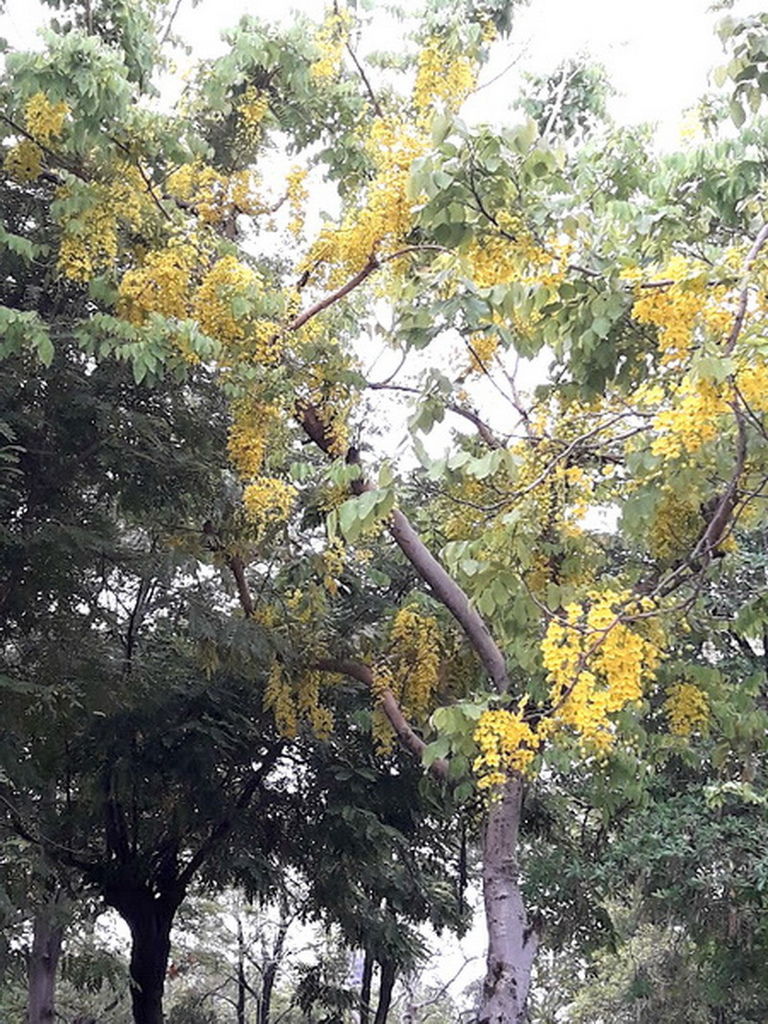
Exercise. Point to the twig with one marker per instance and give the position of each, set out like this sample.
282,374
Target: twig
366,83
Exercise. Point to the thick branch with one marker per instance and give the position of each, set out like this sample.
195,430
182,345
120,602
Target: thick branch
442,584
237,567
389,705
329,300
448,591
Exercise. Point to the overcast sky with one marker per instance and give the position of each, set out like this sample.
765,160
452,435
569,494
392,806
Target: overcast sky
657,52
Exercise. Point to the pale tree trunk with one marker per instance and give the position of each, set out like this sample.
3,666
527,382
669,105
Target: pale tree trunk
274,960
43,964
409,1009
512,942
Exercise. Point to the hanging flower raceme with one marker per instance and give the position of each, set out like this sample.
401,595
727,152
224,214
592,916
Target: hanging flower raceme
687,709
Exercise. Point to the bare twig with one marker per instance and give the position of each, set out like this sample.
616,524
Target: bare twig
366,82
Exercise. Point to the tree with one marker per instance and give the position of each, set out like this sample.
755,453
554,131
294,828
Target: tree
539,634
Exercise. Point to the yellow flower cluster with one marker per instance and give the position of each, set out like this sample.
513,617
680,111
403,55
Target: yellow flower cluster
89,241
317,715
381,729
416,660
24,161
752,382
497,258
268,501
297,198
506,744
382,733
686,708
676,524
596,665
279,698
334,559
330,42
695,418
385,217
215,197
674,310
249,434
251,108
482,346
224,304
443,79
161,284
44,120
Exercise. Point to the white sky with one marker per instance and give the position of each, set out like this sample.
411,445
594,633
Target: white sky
658,52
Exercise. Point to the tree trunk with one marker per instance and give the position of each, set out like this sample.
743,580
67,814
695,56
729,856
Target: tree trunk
365,988
512,942
43,963
241,990
150,920
274,960
385,991
409,1009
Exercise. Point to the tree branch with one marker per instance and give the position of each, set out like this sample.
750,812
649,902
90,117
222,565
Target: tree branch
366,83
222,828
410,740
441,583
741,312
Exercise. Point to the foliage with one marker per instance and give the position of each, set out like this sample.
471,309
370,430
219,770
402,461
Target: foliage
550,603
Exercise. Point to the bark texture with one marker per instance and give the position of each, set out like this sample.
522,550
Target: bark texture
512,942
241,979
149,918
365,988
386,984
43,964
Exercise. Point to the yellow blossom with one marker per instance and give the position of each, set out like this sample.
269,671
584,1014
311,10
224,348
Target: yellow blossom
686,708
506,744
23,162
268,501
44,120
416,660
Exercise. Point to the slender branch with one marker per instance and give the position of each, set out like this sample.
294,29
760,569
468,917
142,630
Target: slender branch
557,106
166,34
468,414
299,321
144,176
46,149
374,262
501,74
224,826
741,311
366,83
389,705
